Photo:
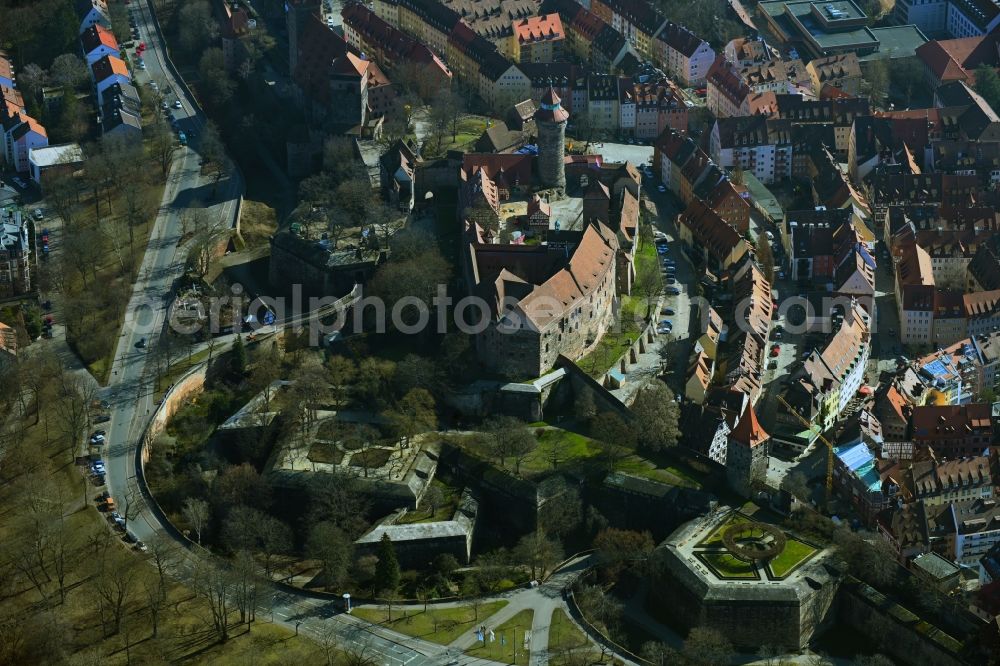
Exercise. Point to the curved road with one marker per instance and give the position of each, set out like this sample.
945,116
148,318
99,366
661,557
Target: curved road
130,390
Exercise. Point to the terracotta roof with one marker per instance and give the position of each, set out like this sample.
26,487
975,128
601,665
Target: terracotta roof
981,303
701,368
97,35
12,98
6,69
593,256
940,422
109,66
712,232
28,124
539,29
749,431
724,76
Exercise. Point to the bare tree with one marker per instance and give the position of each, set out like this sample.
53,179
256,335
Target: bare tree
213,584
114,583
196,513
329,642
163,554
244,575
68,71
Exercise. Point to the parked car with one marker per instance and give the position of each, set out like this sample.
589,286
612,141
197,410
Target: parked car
97,467
772,364
775,350
666,311
140,546
661,188
102,418
17,180
671,280
97,440
672,291
177,104
141,344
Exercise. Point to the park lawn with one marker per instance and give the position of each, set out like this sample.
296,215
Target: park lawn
647,469
444,511
570,446
716,537
794,553
728,566
451,622
513,631
177,370
184,636
470,128
564,634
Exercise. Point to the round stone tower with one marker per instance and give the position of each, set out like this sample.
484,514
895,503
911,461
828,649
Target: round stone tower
550,120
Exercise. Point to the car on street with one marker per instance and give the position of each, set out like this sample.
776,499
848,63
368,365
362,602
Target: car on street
97,440
772,364
99,480
130,538
669,263
673,291
102,418
659,236
17,180
142,65
781,275
115,516
164,105
177,104
776,335
775,350
141,344
661,188
667,311
97,467
140,546
671,280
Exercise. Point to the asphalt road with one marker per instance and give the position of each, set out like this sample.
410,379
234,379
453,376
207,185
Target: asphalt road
130,390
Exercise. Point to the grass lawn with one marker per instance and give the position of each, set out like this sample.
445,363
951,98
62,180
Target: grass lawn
176,370
470,128
564,634
794,553
512,632
565,446
647,469
184,634
444,511
728,566
438,625
716,537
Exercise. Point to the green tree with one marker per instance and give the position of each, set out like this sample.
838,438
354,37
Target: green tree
988,85
656,416
387,573
414,414
239,358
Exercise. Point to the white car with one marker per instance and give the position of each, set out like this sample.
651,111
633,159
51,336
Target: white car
661,188
177,104
38,215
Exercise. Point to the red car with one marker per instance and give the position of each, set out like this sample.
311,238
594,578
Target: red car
775,350
142,46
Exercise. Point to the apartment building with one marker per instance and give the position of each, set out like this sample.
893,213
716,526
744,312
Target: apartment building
684,55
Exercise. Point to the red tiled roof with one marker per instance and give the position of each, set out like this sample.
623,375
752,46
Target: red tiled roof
539,28
109,66
749,431
97,35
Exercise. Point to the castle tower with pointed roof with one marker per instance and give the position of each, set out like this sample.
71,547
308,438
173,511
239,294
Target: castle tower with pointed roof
550,120
747,453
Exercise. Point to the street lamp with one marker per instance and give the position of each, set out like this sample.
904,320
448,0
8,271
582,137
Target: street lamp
347,602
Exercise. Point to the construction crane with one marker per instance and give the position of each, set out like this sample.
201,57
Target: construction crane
829,447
